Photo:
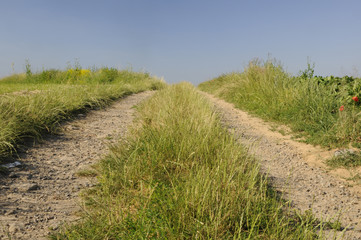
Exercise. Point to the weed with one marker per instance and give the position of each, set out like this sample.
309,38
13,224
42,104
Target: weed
28,68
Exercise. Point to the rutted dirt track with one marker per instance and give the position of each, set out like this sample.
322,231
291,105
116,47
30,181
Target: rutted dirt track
296,169
43,192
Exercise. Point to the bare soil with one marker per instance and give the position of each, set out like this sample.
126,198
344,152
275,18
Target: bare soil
43,192
297,169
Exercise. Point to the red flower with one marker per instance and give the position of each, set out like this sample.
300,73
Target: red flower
355,99
342,108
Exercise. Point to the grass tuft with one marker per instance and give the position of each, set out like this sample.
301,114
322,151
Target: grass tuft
347,160
87,173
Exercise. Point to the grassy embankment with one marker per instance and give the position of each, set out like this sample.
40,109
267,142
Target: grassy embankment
31,104
180,175
321,110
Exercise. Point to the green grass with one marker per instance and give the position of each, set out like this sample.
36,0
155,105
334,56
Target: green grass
180,175
347,160
309,105
31,105
87,173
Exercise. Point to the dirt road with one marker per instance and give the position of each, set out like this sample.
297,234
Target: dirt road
43,192
296,169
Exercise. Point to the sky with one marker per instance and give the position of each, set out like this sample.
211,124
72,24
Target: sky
188,40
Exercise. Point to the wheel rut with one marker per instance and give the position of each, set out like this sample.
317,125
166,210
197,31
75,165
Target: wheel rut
296,169
43,192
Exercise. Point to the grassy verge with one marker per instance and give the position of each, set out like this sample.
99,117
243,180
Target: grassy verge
310,105
30,105
180,175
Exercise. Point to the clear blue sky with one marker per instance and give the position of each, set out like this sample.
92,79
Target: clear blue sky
186,40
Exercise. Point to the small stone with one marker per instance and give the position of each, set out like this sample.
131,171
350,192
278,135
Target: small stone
344,152
54,227
33,187
12,165
13,175
45,178
12,212
28,187
16,227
